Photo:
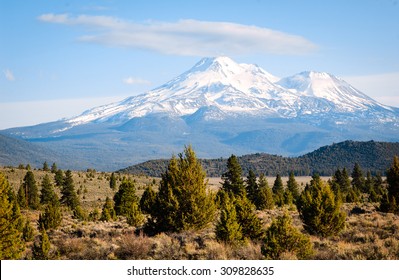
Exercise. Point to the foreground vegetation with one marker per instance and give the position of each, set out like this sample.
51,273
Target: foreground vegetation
53,214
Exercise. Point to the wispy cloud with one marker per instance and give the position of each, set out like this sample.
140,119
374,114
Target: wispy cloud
136,81
9,75
186,37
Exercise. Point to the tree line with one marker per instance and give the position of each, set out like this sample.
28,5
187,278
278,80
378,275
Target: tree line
184,203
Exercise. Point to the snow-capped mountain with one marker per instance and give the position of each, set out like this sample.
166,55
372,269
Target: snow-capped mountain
235,88
222,107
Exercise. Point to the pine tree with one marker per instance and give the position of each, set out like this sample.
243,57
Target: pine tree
112,181
293,186
264,198
228,229
59,178
47,194
358,178
11,244
392,198
31,191
319,209
147,200
232,179
278,191
21,197
68,193
252,186
108,211
41,249
282,237
45,166
54,168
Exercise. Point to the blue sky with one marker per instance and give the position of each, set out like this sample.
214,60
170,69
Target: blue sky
58,58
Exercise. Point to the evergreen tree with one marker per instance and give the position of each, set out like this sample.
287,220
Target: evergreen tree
45,166
282,237
47,194
54,168
278,191
51,217
232,179
228,229
31,191
59,178
127,203
369,183
68,193
252,186
319,209
183,202
392,197
28,233
147,200
264,199
293,186
21,197
112,181
11,244
41,249
251,225
358,178
108,211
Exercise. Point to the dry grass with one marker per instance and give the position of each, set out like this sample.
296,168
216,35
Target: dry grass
368,235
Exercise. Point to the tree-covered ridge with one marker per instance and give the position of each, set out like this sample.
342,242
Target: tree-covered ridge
371,155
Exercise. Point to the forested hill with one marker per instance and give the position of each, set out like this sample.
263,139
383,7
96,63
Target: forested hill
371,155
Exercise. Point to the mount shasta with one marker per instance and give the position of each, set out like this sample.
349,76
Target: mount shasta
221,108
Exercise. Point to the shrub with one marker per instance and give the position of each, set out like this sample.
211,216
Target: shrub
282,239
319,209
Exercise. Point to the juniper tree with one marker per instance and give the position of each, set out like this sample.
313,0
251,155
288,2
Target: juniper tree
45,166
251,225
319,209
31,191
358,178
293,186
282,237
232,179
147,200
11,244
108,211
47,193
21,197
54,168
51,217
183,202
59,178
127,203
278,191
112,181
264,199
28,233
41,249
68,193
391,199
228,229
252,186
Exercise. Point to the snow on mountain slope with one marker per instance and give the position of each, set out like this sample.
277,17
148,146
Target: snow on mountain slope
233,89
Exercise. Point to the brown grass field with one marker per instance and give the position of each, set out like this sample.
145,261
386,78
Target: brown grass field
370,235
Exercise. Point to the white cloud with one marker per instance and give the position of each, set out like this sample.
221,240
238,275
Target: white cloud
136,81
9,75
187,37
382,87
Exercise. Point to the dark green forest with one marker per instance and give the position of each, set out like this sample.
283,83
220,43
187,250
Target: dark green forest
372,156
